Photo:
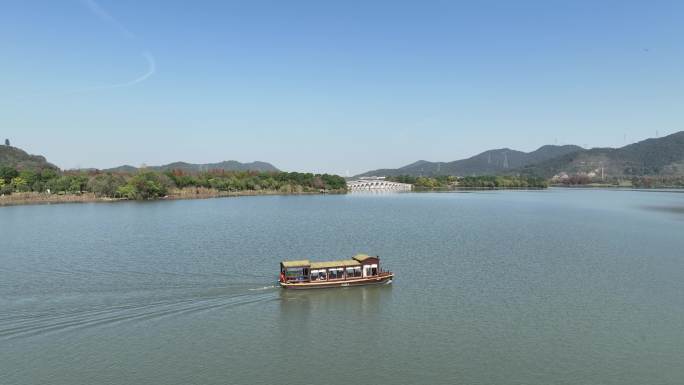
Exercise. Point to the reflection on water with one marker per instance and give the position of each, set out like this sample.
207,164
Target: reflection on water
332,326
679,210
365,300
305,308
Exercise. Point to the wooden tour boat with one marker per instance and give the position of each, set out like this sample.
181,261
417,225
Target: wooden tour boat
360,270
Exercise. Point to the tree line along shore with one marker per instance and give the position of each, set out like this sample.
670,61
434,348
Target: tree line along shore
443,182
52,186
471,182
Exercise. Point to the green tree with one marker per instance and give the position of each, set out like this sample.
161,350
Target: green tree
145,185
7,173
334,182
126,191
19,184
31,177
47,174
59,185
181,179
105,185
38,186
78,183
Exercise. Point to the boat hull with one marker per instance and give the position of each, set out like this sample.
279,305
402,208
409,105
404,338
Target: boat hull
376,280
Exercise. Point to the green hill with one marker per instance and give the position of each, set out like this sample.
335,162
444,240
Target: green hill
19,159
492,162
651,157
657,156
229,165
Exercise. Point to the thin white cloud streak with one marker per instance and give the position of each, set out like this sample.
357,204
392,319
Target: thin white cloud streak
100,12
151,70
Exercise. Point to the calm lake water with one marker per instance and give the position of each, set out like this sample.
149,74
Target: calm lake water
510,287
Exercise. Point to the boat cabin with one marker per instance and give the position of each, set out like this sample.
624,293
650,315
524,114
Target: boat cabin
358,267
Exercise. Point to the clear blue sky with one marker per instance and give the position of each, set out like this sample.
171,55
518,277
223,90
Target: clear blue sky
333,86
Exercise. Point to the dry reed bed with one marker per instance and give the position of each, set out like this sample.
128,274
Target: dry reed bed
34,198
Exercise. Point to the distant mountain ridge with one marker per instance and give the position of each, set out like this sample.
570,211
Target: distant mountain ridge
228,165
492,162
21,160
655,156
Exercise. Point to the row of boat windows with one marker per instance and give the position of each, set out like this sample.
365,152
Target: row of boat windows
337,273
334,273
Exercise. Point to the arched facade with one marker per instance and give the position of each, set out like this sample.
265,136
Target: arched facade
377,184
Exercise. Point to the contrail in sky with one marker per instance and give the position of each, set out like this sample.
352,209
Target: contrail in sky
100,12
151,69
103,15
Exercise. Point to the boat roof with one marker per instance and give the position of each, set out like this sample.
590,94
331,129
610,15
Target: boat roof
299,263
340,263
362,257
354,261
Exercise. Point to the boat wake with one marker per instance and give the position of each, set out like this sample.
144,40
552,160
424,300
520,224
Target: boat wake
50,321
263,288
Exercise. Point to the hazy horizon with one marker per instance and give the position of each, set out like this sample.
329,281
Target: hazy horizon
339,88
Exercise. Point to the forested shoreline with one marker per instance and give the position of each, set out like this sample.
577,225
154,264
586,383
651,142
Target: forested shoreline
471,182
52,185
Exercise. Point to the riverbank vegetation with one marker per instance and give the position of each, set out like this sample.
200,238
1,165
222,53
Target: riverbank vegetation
658,182
584,180
144,185
471,182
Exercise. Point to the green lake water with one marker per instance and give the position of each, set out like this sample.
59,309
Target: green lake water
507,287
